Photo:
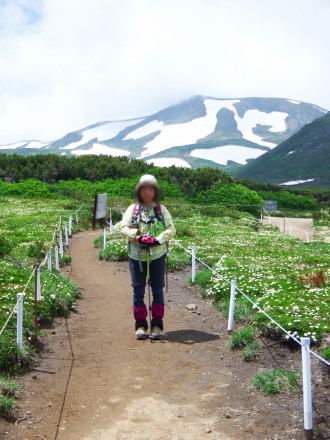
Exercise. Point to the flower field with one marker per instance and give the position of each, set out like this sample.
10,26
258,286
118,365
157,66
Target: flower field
27,224
287,277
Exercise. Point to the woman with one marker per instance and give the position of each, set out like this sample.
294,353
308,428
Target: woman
148,227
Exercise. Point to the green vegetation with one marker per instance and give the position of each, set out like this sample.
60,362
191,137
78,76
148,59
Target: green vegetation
202,278
326,354
242,337
244,340
26,229
276,381
8,390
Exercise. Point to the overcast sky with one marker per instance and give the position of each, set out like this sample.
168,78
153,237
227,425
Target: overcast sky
65,64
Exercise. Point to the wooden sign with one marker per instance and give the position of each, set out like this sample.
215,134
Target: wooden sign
100,208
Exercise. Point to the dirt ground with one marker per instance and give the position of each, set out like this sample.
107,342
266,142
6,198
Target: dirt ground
95,381
297,226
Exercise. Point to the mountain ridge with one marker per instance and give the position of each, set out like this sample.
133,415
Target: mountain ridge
200,131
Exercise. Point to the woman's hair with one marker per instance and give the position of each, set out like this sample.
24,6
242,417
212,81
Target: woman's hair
138,195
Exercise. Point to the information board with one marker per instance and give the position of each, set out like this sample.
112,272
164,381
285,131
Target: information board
101,206
270,205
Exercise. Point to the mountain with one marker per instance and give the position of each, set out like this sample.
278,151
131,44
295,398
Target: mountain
301,161
201,131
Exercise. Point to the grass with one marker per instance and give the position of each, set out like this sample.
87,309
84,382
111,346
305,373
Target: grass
28,224
7,406
242,337
8,390
275,381
202,278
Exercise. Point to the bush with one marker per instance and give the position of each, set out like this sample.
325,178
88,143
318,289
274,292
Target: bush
37,250
202,278
275,381
251,351
185,231
7,406
65,260
114,251
242,337
8,387
326,354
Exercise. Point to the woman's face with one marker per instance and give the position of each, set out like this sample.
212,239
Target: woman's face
147,194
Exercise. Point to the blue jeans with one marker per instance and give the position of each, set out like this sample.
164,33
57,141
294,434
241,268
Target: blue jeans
139,280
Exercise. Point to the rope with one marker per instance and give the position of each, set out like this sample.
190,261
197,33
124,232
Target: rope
14,308
257,306
33,271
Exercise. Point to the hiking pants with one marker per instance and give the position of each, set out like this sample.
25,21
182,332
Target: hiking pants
157,282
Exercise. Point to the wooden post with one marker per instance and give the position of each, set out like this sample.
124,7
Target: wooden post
36,306
94,212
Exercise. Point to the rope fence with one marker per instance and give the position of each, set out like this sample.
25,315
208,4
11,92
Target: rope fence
18,307
304,342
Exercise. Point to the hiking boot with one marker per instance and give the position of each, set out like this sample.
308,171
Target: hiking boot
141,333
156,332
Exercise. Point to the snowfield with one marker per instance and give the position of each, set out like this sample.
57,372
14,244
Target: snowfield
222,155
103,132
175,135
25,144
13,146
297,182
102,149
169,161
252,118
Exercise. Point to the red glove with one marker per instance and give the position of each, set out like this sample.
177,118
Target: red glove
148,241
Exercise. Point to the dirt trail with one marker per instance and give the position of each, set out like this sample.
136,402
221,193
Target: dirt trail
188,386
299,226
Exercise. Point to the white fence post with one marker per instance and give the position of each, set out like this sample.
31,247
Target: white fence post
49,261
307,236
77,218
269,220
57,263
38,285
66,235
307,386
290,229
193,264
104,238
281,226
19,333
60,239
232,306
70,226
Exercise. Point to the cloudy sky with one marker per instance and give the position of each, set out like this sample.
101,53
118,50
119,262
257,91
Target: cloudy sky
65,64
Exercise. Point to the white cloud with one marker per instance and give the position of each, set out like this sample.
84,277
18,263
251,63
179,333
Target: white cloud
67,63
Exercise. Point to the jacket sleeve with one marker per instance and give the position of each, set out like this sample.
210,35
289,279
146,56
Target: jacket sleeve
170,228
126,222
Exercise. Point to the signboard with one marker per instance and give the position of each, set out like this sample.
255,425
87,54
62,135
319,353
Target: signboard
270,205
100,208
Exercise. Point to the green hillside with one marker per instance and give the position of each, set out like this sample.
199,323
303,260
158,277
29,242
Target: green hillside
305,155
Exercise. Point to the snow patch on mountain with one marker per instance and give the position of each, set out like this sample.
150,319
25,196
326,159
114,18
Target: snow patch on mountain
25,144
222,155
13,146
103,132
175,135
169,161
297,182
35,144
293,102
102,149
252,118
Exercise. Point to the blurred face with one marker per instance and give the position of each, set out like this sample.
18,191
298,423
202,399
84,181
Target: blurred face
147,194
